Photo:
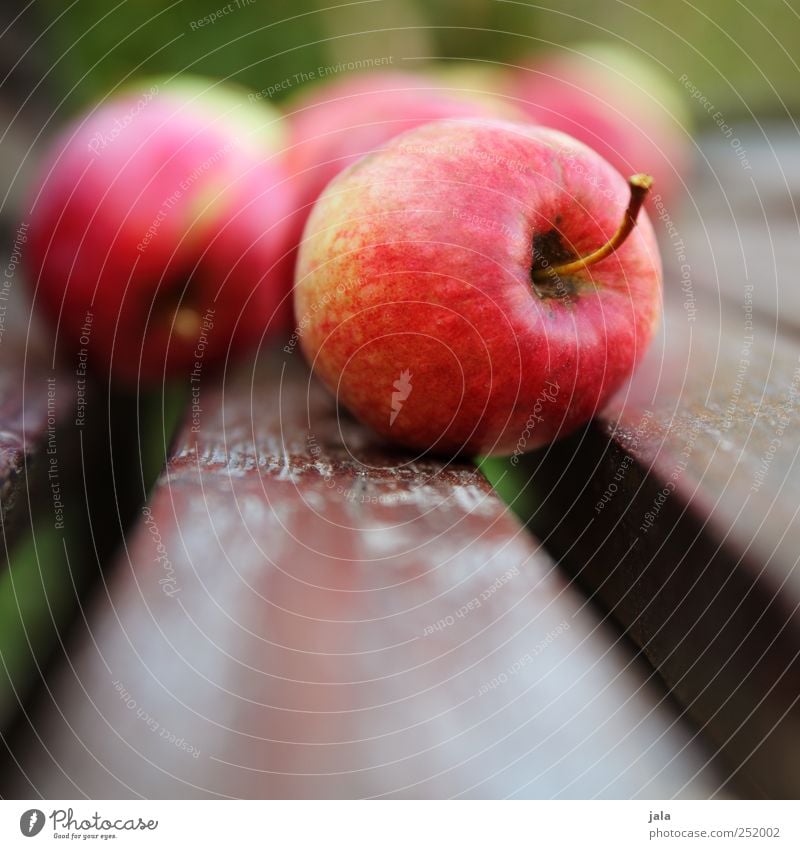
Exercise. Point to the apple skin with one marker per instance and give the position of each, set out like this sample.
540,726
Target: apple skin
617,103
165,186
413,290
333,124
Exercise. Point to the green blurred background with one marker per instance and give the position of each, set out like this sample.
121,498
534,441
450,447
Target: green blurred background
739,53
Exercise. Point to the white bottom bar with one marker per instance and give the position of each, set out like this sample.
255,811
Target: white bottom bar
402,824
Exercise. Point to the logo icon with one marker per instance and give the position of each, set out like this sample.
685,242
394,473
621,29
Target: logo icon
31,822
403,389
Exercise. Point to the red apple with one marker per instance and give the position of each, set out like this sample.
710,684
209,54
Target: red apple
161,219
615,101
477,287
335,123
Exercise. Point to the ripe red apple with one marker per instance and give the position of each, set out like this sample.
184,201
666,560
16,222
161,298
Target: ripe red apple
615,101
477,286
335,123
164,216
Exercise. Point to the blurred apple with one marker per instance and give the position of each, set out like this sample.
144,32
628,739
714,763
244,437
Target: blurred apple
335,123
159,230
616,101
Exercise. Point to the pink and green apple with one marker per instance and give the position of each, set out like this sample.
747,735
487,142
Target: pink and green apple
617,102
478,287
165,215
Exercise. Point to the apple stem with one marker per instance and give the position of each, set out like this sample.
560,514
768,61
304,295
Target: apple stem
640,185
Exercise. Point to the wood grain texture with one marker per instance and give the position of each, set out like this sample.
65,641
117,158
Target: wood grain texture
329,620
686,495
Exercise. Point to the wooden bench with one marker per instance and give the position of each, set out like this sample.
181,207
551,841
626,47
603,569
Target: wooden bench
301,614
678,509
298,611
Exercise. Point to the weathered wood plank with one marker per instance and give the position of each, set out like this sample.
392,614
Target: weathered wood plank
31,408
35,408
739,224
679,512
300,614
65,495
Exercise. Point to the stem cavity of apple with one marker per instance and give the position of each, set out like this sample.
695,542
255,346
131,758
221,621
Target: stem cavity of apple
640,185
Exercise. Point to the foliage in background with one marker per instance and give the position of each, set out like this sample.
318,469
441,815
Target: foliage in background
741,53
97,46
37,598
738,52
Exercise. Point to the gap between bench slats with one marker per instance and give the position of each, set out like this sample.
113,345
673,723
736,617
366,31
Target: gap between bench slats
679,512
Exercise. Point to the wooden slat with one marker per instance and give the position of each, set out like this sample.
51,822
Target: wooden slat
740,221
679,512
327,620
37,403
64,494
28,397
